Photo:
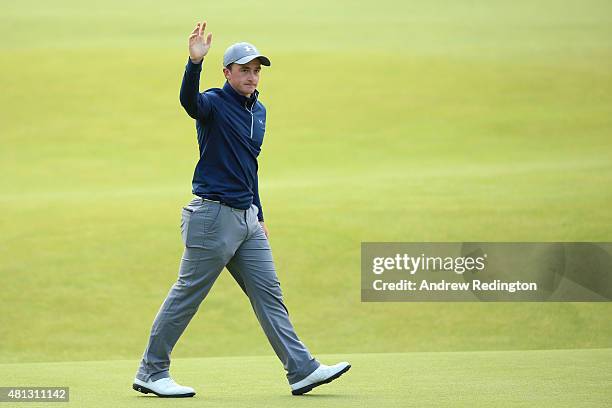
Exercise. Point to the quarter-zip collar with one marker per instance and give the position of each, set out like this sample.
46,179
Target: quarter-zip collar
248,103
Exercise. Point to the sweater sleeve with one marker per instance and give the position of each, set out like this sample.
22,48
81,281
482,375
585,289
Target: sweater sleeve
257,201
196,104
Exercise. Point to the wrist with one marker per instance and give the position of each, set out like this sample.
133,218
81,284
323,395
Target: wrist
196,62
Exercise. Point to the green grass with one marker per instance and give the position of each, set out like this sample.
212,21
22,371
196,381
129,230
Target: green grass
559,378
390,121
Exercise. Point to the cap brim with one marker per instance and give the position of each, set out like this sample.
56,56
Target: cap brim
245,60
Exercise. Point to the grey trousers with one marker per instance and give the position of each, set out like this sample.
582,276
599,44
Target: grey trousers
217,236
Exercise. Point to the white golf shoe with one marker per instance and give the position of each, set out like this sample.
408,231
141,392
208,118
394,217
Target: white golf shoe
322,375
164,387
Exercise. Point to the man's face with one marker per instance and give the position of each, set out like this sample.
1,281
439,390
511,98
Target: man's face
244,78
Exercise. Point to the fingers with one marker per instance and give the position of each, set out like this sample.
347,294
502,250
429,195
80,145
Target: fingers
199,28
198,32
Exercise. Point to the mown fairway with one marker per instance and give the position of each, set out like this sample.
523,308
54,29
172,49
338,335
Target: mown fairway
537,378
387,121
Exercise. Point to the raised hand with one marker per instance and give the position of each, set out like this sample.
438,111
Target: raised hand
198,48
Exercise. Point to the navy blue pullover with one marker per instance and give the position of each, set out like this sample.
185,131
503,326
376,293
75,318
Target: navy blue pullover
230,131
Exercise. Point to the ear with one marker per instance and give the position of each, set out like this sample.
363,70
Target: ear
226,72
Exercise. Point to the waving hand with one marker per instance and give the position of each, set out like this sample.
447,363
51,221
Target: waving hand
198,47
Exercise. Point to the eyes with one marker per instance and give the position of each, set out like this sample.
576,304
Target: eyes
245,70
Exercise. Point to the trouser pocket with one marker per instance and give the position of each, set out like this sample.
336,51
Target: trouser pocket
197,223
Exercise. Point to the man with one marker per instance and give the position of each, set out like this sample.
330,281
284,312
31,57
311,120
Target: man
224,225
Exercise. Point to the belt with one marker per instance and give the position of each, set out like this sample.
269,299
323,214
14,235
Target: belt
220,202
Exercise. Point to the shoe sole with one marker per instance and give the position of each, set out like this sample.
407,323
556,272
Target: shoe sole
146,390
307,388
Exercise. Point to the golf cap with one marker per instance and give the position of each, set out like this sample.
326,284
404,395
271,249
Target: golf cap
242,53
